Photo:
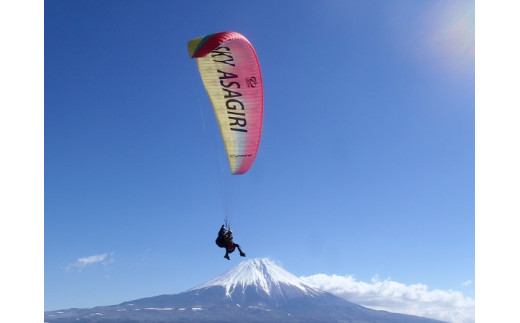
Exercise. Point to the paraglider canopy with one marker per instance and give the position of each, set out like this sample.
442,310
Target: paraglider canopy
231,74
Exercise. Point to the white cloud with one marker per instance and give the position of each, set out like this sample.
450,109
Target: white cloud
388,295
90,260
467,283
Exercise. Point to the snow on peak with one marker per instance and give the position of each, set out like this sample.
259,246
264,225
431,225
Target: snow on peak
263,274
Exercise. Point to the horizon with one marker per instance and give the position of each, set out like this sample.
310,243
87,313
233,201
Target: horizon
411,298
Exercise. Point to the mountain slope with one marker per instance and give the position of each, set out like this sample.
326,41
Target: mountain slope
256,290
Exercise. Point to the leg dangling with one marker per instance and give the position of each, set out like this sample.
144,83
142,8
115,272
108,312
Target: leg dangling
242,254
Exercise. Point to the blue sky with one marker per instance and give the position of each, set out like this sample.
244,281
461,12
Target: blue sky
366,167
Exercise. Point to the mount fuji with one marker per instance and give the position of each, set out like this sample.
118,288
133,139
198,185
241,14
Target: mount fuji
256,290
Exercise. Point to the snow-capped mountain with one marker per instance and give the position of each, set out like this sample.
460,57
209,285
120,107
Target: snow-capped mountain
256,290
264,276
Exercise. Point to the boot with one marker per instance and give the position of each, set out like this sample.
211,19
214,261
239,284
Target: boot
242,254
227,257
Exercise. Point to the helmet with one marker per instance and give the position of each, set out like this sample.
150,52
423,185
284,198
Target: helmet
230,231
